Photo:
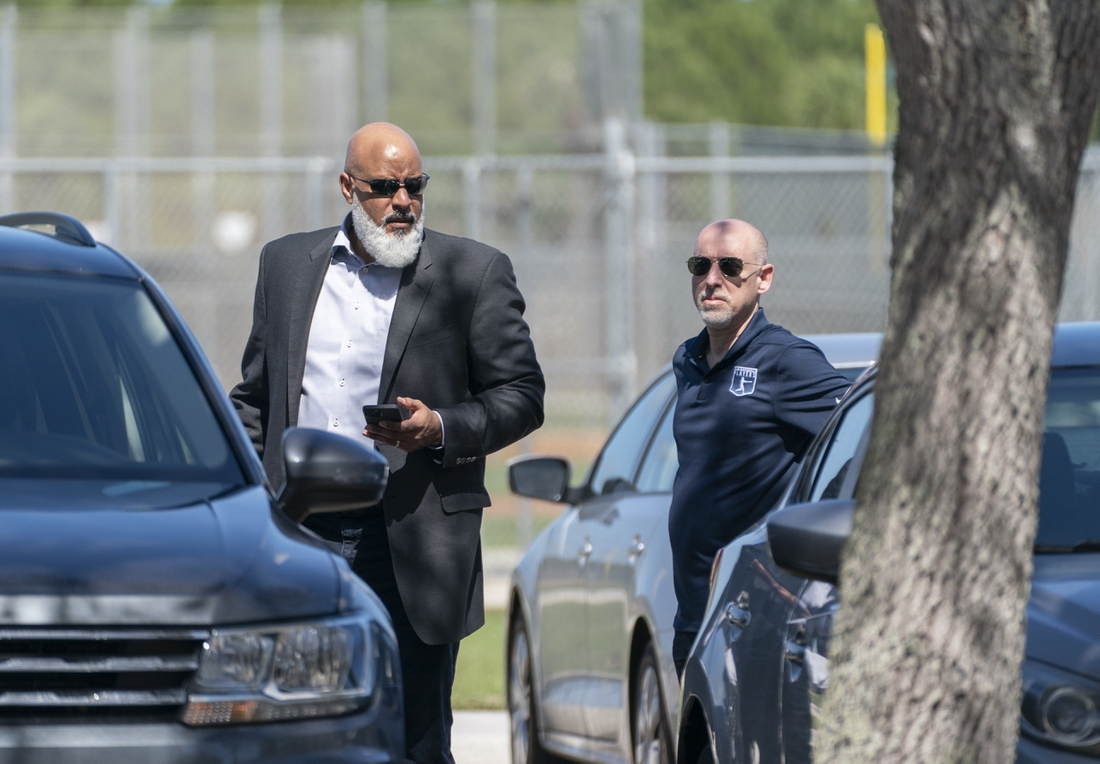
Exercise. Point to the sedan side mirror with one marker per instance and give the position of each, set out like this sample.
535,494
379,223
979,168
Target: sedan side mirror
329,473
807,539
541,477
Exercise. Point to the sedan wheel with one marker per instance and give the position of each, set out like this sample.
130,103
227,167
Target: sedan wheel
521,700
651,744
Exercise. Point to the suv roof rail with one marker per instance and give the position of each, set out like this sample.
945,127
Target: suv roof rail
65,227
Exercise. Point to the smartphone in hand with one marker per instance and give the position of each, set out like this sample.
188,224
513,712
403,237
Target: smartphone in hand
388,412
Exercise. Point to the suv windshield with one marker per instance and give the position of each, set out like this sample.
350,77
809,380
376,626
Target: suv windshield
1069,483
93,386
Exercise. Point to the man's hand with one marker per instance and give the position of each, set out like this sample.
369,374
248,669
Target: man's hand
422,429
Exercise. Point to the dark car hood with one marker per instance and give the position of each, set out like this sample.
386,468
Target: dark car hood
1064,612
231,560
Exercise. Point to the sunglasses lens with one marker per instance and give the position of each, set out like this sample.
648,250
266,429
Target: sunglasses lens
731,267
384,186
416,185
698,266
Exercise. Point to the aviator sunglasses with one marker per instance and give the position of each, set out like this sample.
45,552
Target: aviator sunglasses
389,186
731,267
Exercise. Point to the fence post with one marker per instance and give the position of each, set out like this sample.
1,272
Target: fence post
271,117
131,65
484,17
619,280
719,181
206,288
471,198
8,126
525,225
375,71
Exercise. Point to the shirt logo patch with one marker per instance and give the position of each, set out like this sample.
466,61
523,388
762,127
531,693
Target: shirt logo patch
744,381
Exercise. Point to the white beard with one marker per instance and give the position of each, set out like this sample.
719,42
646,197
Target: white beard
715,317
391,250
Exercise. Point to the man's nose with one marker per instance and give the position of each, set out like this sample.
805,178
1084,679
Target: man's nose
714,274
401,198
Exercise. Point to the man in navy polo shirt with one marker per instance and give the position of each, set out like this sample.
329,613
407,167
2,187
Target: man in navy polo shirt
750,396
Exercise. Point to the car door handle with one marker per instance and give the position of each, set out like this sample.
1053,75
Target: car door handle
794,652
583,552
737,616
637,546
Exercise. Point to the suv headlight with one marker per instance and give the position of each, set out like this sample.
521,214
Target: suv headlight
293,671
1060,708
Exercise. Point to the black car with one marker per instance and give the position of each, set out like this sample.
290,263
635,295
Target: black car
157,601
756,676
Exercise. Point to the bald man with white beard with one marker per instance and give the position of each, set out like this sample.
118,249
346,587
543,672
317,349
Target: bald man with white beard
382,310
750,396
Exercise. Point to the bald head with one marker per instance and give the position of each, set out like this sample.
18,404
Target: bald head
733,238
376,143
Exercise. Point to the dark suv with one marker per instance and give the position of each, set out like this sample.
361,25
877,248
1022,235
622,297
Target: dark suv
157,601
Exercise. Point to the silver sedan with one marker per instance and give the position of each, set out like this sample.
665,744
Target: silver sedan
589,650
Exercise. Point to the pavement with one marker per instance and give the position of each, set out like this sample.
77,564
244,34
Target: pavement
480,737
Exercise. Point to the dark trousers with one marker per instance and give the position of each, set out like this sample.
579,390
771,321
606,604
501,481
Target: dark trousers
427,671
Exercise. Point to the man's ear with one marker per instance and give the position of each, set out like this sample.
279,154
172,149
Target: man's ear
765,283
347,188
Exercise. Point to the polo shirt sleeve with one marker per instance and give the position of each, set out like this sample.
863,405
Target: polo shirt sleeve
809,388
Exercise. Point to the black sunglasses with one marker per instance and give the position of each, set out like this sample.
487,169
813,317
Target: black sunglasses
389,186
731,267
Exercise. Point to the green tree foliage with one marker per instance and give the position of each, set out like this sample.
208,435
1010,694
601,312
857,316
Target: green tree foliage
765,62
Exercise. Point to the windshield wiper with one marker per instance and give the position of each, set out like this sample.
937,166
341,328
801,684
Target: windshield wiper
1091,545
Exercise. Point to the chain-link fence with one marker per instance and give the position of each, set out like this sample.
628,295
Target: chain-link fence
598,241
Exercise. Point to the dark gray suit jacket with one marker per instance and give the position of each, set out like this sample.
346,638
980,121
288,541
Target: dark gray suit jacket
457,342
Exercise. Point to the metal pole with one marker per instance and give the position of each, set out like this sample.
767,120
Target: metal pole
525,223
719,181
207,288
131,68
485,104
485,77
8,126
271,115
471,197
375,85
619,281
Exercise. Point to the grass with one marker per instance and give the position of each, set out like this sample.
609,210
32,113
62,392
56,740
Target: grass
479,676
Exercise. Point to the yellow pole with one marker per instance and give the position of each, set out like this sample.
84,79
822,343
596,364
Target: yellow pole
875,46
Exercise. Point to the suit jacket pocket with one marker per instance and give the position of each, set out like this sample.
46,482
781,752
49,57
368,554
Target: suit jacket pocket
460,498
429,338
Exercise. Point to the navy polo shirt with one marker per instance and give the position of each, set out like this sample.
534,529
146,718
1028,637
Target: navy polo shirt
739,429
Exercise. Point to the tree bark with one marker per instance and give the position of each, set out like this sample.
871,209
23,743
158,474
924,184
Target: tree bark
996,100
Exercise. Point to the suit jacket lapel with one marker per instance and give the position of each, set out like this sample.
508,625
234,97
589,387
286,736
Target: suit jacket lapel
309,282
416,282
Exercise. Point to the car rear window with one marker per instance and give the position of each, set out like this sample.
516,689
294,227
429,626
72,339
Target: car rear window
94,386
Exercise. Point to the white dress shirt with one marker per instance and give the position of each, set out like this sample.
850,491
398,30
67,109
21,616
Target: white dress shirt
347,341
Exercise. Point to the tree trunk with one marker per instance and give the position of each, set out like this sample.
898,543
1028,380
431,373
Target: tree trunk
996,100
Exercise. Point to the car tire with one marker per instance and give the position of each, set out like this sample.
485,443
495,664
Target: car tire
522,717
648,728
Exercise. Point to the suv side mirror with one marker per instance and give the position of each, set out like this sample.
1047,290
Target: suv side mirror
541,477
329,473
807,539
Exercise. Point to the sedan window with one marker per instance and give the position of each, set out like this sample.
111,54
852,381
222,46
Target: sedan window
1069,480
659,468
614,472
841,449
